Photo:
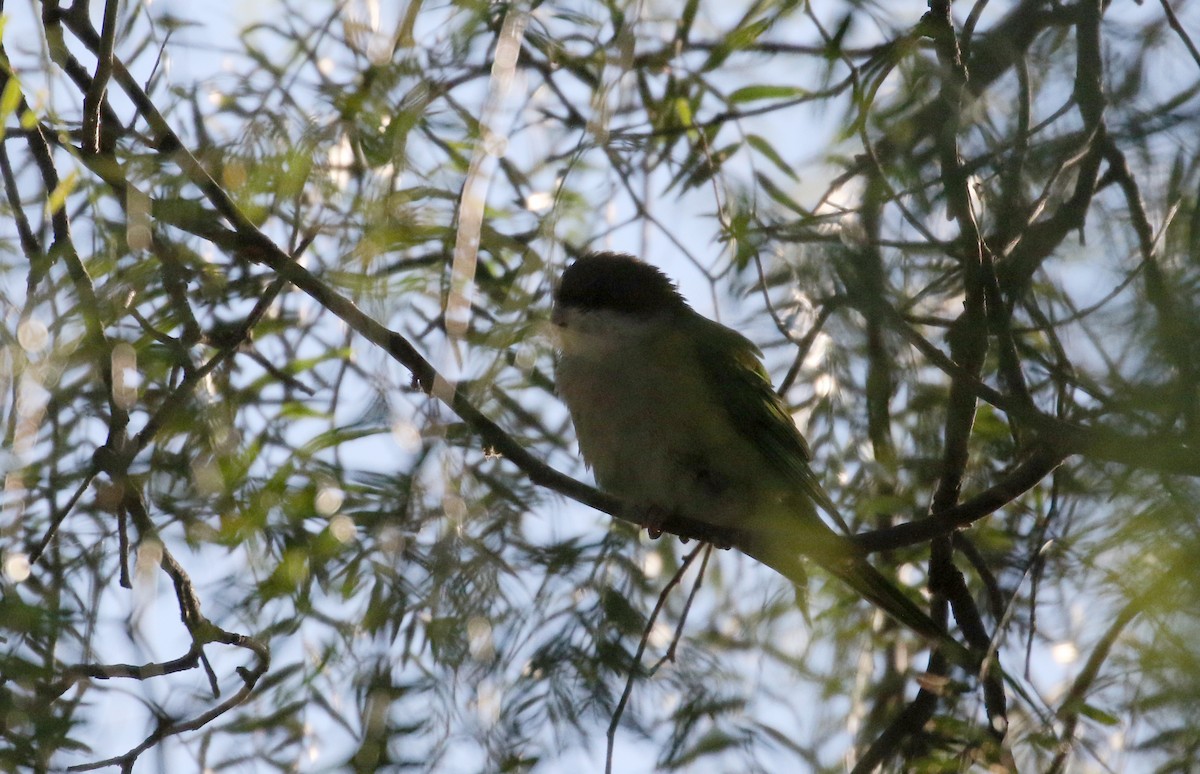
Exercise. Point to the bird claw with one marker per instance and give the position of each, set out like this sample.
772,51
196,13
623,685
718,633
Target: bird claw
652,517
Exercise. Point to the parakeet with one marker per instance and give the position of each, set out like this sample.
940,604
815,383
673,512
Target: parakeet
675,413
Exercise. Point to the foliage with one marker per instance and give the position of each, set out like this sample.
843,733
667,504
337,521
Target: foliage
282,459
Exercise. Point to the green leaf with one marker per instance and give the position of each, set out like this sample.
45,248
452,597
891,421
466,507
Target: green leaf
293,410
58,197
336,437
686,19
712,743
777,193
709,165
764,91
683,110
1098,715
621,613
738,39
768,150
9,99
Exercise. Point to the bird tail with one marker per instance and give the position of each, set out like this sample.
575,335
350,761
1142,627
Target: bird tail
861,576
842,559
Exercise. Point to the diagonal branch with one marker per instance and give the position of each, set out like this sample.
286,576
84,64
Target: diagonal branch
1074,702
202,631
1039,464
93,100
968,347
1173,20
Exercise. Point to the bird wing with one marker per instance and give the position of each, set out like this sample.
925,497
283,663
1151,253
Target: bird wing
732,364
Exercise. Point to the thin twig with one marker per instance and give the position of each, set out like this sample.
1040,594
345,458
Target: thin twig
1173,20
93,100
968,346
1040,463
57,517
641,649
906,724
202,631
1074,702
687,608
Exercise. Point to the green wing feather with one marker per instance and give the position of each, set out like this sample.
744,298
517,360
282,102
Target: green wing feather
733,365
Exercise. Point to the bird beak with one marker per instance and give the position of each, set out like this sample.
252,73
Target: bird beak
558,316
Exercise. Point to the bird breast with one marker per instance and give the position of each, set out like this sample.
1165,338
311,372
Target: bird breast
648,425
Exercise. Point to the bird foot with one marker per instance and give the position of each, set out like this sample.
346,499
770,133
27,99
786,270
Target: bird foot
652,517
